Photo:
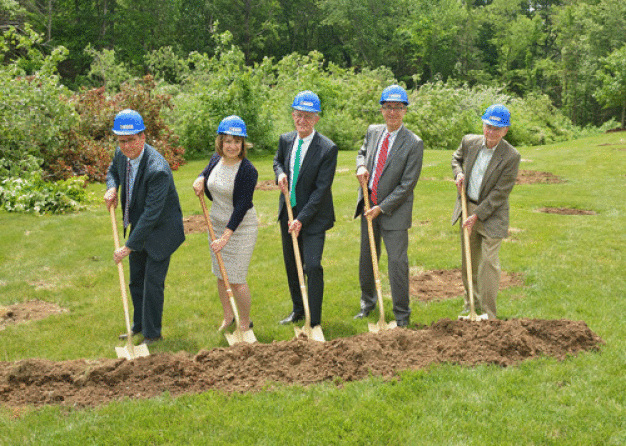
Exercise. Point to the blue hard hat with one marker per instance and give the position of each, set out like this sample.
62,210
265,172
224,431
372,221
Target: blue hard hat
128,122
497,115
307,101
232,125
394,93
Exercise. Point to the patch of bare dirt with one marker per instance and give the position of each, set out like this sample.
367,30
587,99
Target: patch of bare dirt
534,177
266,185
256,367
566,211
27,311
194,224
444,284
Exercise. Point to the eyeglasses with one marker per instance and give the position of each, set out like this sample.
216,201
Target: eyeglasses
304,116
393,107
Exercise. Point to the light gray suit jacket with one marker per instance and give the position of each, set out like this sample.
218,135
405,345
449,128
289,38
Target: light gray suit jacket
498,181
398,178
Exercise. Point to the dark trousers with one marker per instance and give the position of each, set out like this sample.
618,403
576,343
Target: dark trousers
147,282
311,247
397,244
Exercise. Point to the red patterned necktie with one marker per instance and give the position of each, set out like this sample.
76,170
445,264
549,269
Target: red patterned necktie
127,201
382,158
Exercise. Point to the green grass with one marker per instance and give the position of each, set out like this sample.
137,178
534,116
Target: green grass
573,268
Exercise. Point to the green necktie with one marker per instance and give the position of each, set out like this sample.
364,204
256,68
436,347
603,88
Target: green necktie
296,171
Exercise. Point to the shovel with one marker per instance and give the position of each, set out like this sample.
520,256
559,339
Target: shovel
381,324
130,351
311,333
238,335
468,262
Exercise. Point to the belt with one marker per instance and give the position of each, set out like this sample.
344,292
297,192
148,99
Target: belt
472,201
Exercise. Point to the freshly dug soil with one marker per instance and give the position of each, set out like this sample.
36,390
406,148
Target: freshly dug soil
533,177
256,367
566,211
27,311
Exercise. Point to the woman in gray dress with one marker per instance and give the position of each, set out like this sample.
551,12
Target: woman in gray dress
229,181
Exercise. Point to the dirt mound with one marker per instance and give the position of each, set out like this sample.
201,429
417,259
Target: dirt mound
444,284
194,224
27,311
266,185
533,177
566,211
256,367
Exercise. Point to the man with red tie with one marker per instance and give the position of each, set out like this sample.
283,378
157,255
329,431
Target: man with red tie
389,162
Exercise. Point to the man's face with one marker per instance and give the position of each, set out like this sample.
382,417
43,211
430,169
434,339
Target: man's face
493,134
393,114
304,122
131,145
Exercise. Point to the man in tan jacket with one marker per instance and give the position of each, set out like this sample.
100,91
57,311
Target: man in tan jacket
487,165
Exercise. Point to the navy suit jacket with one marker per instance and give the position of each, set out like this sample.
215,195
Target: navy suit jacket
314,207
156,219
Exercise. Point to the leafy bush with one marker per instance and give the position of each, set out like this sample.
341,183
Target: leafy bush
217,87
23,189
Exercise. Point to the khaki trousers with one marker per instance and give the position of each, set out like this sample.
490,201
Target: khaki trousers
485,267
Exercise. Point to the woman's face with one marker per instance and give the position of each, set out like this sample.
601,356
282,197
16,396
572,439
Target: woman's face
232,146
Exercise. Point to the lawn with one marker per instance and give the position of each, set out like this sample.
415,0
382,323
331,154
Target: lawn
573,268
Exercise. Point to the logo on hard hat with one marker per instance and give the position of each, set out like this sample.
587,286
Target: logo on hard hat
235,129
307,103
394,96
127,127
495,118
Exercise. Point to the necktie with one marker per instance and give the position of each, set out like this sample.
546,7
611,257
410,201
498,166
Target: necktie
296,171
128,194
382,158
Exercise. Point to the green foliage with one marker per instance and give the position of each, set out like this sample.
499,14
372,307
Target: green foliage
612,77
22,189
34,111
105,70
217,87
165,65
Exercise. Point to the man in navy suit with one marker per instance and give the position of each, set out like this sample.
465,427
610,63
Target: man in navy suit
305,168
152,210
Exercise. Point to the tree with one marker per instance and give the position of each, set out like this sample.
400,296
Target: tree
612,78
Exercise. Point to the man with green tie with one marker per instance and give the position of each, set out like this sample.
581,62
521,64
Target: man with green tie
305,165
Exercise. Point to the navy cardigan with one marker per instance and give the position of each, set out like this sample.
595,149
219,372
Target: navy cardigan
245,182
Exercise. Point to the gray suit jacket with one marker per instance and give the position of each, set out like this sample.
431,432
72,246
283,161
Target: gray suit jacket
398,178
498,181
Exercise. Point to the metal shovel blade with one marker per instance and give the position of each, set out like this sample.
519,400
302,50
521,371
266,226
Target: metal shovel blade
314,333
381,325
474,317
131,352
239,336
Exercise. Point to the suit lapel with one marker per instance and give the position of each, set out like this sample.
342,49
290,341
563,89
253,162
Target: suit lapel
379,134
493,164
471,159
139,176
311,153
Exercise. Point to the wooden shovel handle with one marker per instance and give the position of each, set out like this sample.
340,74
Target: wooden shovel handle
220,262
120,270
296,252
468,252
370,231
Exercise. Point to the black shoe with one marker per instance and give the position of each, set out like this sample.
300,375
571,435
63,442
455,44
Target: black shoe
402,323
124,336
363,313
293,317
150,341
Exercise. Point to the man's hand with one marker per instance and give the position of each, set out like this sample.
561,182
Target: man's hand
198,186
470,222
459,182
295,227
362,175
110,198
119,254
283,183
373,212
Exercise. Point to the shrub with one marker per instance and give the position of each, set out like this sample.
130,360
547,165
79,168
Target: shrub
23,189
